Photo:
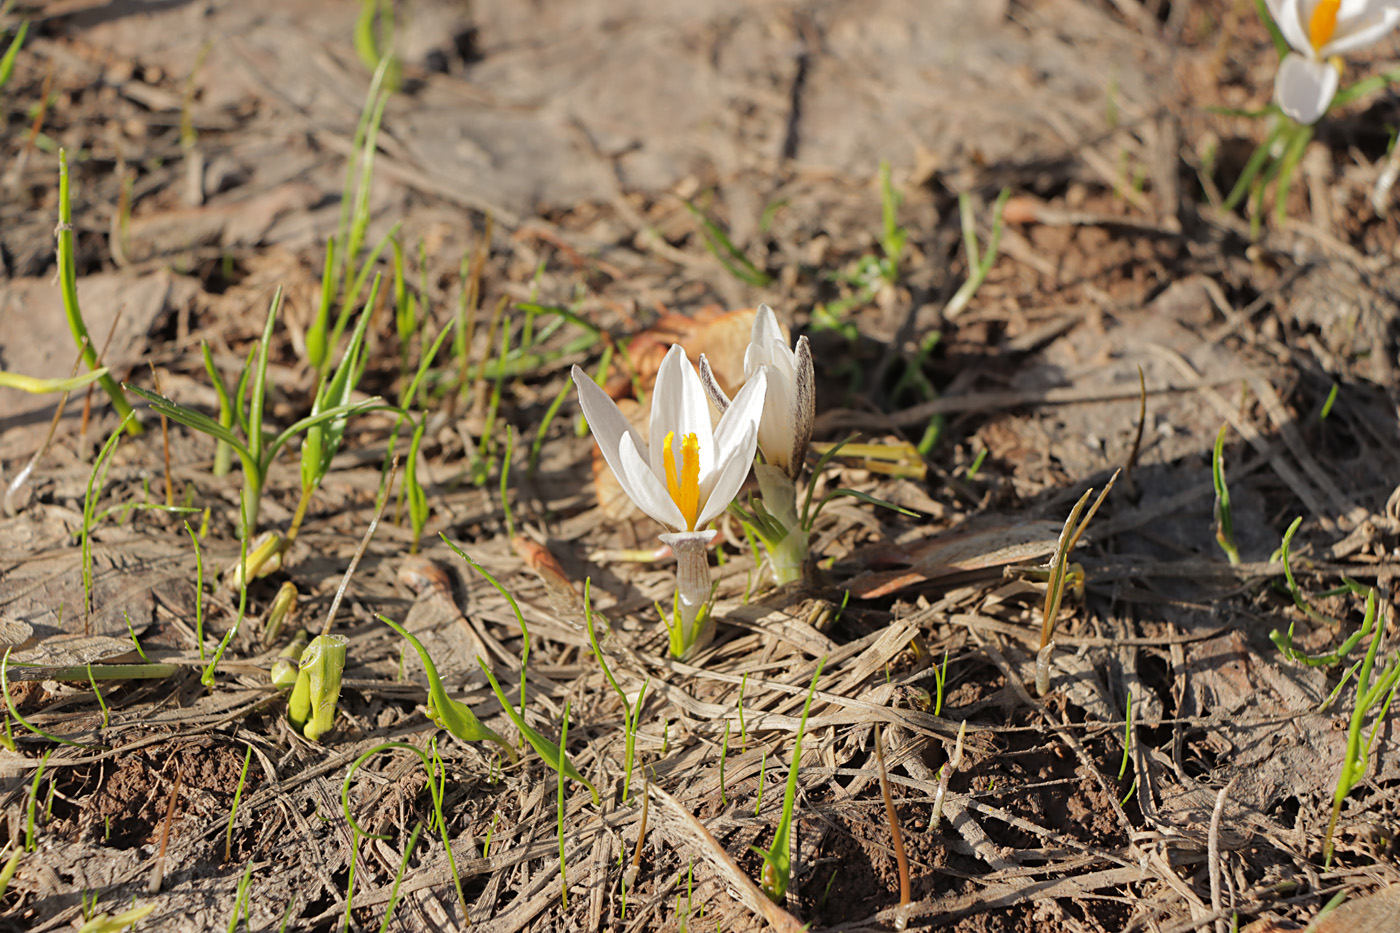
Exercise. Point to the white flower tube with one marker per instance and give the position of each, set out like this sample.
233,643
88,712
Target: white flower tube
1319,31
689,474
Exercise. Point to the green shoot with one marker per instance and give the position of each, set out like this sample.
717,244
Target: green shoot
33,805
549,416
323,439
777,861
1127,737
559,811
8,871
35,386
240,901
978,267
1059,571
723,754
1331,400
254,450
372,44
551,753
68,281
630,715
106,716
10,705
1224,519
940,677
103,923
490,830
398,877
719,244
434,789
894,237
445,712
7,64
1368,693
237,796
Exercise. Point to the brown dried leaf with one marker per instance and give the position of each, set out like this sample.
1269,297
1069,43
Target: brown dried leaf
960,552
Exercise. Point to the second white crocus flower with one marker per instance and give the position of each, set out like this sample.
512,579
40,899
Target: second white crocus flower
685,476
789,406
1318,31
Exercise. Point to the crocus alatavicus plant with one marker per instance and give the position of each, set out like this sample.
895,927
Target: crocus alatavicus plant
688,473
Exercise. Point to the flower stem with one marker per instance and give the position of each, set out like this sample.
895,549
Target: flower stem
696,626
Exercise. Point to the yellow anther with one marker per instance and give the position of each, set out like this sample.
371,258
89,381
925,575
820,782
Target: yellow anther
1323,23
684,485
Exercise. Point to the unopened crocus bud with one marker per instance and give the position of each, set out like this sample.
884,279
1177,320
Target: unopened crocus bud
789,406
284,669
264,557
283,605
312,705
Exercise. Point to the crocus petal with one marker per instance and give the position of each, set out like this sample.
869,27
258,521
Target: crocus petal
1289,15
730,475
1304,88
679,404
645,488
711,384
768,345
1361,31
607,422
804,411
743,414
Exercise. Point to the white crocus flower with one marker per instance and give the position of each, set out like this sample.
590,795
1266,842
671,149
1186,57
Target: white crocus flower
1319,30
789,406
689,473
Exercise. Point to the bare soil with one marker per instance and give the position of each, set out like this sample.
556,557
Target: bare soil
1179,773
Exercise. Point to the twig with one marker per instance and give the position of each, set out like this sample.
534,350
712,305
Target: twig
360,551
1213,854
896,837
158,873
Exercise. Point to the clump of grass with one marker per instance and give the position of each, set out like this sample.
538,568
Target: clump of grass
1059,573
433,767
979,263
254,449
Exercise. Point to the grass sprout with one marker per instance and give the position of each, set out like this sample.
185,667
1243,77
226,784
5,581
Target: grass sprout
106,923
445,712
559,813
1059,572
552,754
398,877
434,788
979,263
1224,519
631,715
7,63
14,712
237,796
1368,693
777,861
34,386
735,262
68,282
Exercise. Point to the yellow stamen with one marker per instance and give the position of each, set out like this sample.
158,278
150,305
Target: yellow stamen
1323,23
685,487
